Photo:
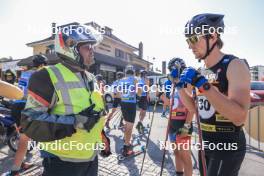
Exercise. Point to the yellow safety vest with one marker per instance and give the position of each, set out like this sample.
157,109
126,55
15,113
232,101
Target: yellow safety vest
73,97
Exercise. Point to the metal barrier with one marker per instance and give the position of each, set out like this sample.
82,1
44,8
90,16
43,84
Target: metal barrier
254,127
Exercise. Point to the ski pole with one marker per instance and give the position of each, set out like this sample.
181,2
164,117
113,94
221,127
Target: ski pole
154,110
202,154
149,106
168,126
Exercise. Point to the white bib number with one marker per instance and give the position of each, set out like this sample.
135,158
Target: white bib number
205,109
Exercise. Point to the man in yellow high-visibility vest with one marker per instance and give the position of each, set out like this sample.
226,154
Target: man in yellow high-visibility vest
63,110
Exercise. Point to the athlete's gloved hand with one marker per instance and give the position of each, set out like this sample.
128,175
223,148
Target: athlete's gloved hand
193,77
174,73
87,118
185,130
107,150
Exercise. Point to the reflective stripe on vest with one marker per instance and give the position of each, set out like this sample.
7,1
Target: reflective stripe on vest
73,98
60,86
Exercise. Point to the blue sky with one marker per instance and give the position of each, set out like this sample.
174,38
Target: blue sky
157,23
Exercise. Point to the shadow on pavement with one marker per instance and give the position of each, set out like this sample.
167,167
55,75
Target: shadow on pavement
156,154
130,163
255,151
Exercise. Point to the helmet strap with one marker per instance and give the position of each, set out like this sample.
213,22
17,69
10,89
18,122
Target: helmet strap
70,61
81,62
208,51
79,58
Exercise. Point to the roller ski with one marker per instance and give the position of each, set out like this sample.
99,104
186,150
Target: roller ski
139,136
25,167
128,152
141,129
135,142
163,115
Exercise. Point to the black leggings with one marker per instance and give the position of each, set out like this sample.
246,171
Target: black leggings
57,167
227,166
129,111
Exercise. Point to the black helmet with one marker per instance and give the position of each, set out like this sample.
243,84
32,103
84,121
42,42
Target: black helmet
10,76
176,63
143,73
129,70
39,59
205,23
9,73
119,75
99,77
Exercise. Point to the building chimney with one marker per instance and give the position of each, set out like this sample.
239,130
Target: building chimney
164,67
140,50
53,30
108,31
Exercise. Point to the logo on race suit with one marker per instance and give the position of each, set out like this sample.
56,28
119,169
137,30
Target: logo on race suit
205,109
226,61
210,75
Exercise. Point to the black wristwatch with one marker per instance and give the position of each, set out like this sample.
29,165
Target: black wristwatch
205,87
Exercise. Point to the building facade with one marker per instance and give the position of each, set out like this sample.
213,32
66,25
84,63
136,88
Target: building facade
111,55
257,73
